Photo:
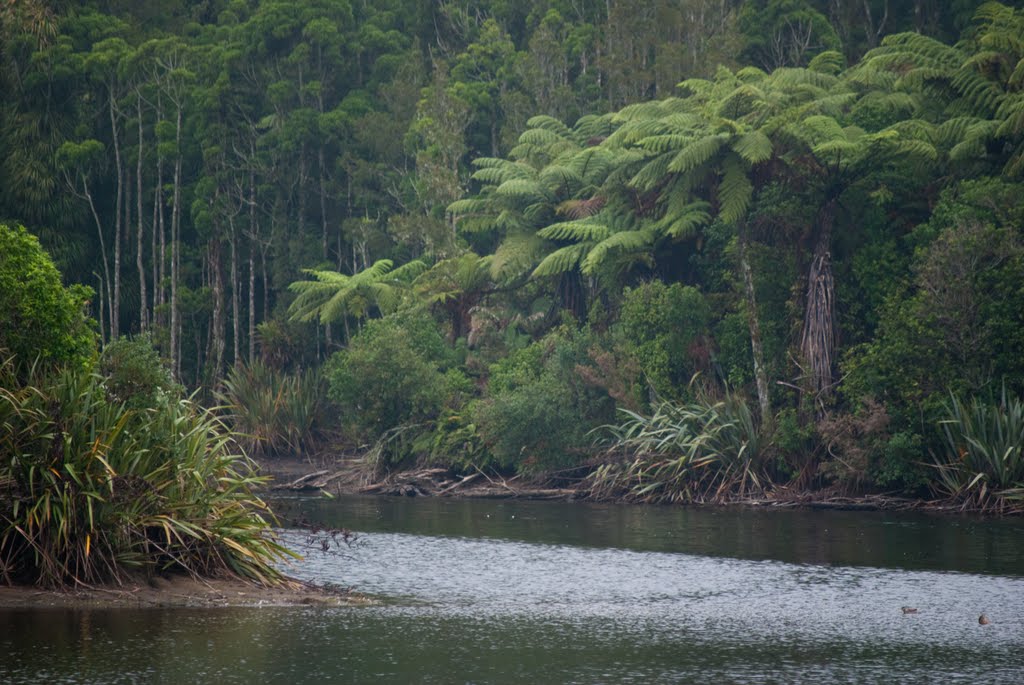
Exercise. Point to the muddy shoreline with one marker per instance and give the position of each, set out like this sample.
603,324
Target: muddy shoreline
178,591
348,475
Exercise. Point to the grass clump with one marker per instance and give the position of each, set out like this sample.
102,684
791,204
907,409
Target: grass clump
981,464
92,490
698,451
274,413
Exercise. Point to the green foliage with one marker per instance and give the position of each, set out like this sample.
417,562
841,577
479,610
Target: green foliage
667,327
40,319
957,323
135,374
274,413
93,490
701,451
981,464
540,407
392,374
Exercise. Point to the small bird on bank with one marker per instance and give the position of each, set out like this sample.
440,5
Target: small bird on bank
983,620
909,610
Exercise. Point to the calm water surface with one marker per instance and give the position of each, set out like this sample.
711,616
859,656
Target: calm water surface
544,592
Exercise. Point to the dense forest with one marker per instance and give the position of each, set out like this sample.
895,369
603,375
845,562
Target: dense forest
691,248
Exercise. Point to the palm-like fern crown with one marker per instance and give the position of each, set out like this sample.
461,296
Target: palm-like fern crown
331,296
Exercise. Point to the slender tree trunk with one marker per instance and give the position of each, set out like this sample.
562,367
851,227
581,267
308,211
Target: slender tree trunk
159,231
176,251
115,304
140,264
818,342
323,204
253,238
754,324
217,343
234,293
103,253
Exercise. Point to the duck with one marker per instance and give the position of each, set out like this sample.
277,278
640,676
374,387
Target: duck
909,610
983,620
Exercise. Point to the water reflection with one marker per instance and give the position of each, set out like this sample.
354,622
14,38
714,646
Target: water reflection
885,539
511,592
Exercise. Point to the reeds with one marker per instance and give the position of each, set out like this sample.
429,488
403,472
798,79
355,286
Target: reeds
698,451
273,413
91,490
982,463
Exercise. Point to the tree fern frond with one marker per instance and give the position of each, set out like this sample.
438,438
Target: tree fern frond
548,123
470,205
652,173
521,187
561,180
753,146
541,137
734,192
538,212
697,153
516,256
576,231
664,143
562,260
623,241
408,272
829,62
1011,112
683,223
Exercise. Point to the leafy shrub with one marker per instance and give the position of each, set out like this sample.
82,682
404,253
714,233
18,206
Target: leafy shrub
135,374
91,490
40,319
539,408
956,324
395,371
666,326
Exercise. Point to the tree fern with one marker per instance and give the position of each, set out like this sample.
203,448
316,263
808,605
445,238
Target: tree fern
588,230
562,260
696,153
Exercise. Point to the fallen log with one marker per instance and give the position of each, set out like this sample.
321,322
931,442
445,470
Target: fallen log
302,483
467,479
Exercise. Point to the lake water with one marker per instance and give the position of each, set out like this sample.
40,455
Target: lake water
555,592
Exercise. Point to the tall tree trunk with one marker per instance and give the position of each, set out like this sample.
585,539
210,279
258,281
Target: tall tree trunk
754,325
176,251
234,293
323,203
215,359
115,305
159,232
253,239
818,341
140,264
103,254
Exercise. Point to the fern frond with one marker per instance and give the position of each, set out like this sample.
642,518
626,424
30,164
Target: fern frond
576,231
516,256
561,260
734,192
683,222
548,123
696,154
753,147
623,241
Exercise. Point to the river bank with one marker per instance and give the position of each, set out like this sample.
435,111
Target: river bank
178,591
350,476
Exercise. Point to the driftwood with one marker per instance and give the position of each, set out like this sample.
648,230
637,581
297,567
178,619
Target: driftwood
459,484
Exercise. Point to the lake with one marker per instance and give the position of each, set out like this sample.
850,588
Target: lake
479,591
